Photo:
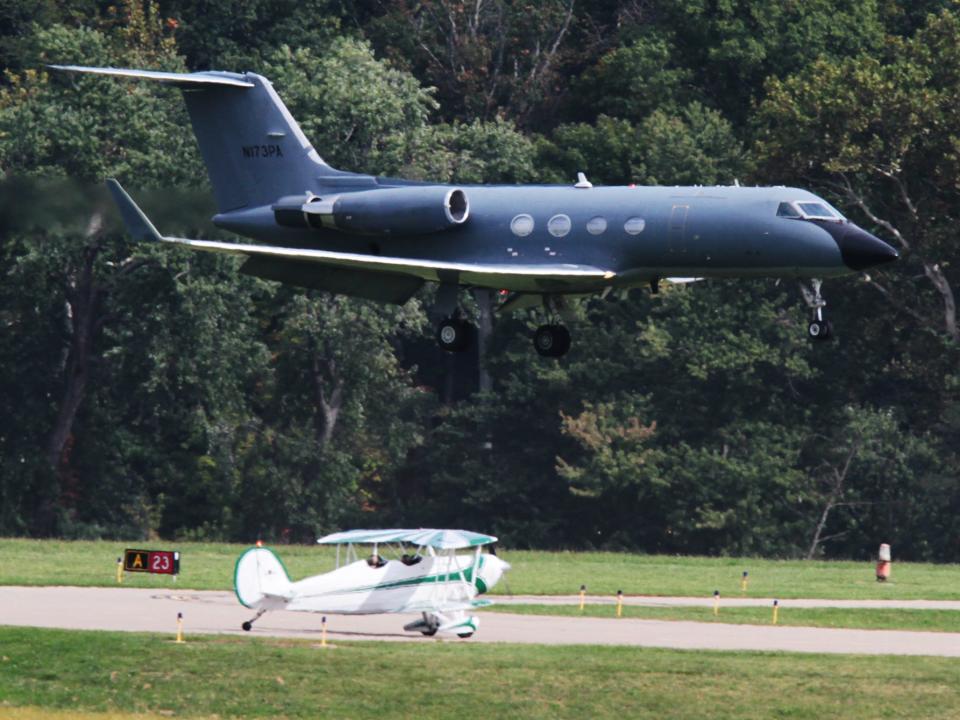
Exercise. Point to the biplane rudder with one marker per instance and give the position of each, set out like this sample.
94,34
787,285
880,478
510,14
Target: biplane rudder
261,576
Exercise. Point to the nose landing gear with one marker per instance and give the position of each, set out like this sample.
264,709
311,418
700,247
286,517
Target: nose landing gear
819,327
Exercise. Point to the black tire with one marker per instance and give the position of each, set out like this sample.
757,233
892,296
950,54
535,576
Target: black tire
464,636
563,341
248,626
551,340
454,335
820,330
429,633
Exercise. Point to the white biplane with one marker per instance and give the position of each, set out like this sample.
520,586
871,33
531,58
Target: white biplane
427,576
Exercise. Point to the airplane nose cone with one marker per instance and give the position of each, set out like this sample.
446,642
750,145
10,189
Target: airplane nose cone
860,250
492,570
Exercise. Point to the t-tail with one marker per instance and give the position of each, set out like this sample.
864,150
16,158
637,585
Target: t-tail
253,148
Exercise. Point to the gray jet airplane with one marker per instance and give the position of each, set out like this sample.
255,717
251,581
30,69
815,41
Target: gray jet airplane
383,238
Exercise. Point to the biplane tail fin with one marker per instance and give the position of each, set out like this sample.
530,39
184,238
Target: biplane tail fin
260,579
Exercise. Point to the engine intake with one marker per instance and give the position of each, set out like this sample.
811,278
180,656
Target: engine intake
417,210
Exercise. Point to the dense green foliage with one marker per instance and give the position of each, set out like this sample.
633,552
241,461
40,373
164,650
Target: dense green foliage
146,392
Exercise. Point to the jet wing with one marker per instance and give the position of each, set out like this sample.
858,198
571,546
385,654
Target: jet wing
527,277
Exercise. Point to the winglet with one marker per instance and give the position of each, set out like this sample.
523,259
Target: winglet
138,224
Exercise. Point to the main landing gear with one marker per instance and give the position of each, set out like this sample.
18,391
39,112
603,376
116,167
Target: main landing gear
454,334
819,328
552,340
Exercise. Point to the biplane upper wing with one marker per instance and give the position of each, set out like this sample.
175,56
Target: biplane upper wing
428,537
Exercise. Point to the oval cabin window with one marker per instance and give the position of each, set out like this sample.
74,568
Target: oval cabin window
634,226
521,225
558,225
596,225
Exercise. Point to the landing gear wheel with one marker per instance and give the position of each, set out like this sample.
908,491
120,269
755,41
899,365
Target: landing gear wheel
820,330
464,636
453,335
248,626
552,340
429,633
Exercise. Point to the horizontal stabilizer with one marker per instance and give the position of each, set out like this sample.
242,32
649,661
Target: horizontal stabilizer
138,224
181,80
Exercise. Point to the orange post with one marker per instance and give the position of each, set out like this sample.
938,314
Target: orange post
776,609
180,639
583,596
619,603
120,571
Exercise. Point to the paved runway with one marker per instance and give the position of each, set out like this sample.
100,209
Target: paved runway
664,601
218,612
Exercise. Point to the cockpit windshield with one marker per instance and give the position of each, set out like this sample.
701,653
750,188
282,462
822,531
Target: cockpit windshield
787,210
808,210
817,210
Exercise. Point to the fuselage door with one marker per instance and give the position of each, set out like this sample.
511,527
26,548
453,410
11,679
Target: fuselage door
677,230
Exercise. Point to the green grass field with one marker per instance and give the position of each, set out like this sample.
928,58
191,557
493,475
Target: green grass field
246,677
209,566
867,619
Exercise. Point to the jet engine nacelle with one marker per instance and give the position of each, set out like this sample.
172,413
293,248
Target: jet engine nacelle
415,210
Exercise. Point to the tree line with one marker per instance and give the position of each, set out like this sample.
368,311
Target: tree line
150,392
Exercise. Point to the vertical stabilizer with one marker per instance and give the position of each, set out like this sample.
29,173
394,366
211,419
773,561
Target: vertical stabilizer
253,148
258,576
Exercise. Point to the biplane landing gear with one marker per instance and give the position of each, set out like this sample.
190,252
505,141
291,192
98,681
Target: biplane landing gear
248,625
428,626
819,328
